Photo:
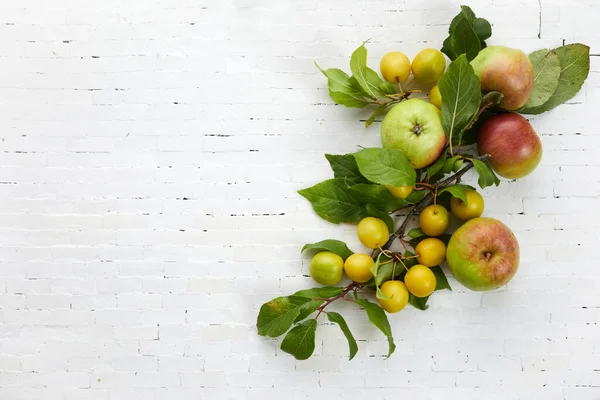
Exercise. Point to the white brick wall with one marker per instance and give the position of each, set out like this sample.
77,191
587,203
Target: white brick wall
149,156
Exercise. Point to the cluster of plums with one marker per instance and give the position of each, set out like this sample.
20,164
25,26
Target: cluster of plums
327,267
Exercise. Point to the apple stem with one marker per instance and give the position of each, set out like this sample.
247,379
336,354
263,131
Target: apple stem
488,255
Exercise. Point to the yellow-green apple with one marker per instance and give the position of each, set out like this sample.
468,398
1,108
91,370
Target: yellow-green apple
326,268
513,145
507,71
483,254
415,127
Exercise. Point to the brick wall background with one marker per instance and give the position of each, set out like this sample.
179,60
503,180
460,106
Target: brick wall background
150,153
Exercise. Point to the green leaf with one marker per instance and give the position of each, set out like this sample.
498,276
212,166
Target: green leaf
341,90
481,29
447,49
574,68
436,166
300,341
441,280
416,196
470,135
332,201
378,318
386,166
461,96
308,308
344,167
546,71
491,98
458,191
373,211
368,79
418,302
377,195
449,164
276,316
385,271
487,177
324,292
386,87
374,270
463,40
338,319
415,233
378,111
445,238
335,246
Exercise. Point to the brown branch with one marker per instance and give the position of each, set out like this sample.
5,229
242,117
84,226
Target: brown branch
347,289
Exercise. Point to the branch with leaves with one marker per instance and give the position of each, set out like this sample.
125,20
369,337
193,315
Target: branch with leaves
361,182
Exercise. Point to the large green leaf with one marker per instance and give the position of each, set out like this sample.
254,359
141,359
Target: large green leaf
378,318
385,166
332,201
487,177
276,316
546,70
574,69
335,246
300,341
377,195
340,89
461,97
344,167
338,319
461,37
308,308
463,40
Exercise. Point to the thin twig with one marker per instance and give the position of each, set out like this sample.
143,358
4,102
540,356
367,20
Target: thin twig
347,289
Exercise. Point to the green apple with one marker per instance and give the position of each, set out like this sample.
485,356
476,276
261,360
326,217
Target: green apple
483,254
327,268
415,127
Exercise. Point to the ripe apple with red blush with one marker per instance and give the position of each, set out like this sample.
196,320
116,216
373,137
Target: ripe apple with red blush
514,147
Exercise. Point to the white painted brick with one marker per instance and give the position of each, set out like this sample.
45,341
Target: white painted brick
161,347
107,272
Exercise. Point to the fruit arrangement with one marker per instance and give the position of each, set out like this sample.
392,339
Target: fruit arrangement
471,119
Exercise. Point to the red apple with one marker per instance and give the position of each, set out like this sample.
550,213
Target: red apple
513,145
483,254
507,71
